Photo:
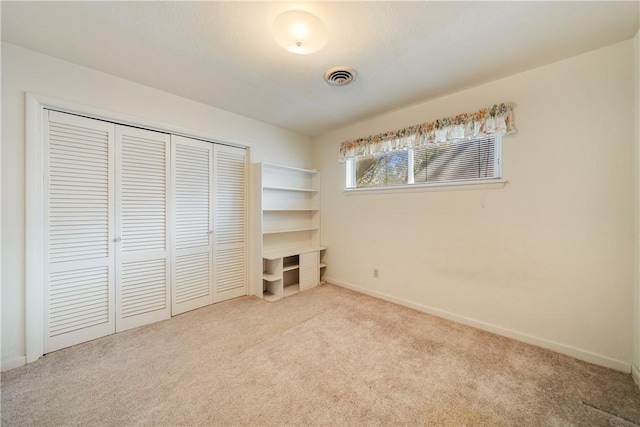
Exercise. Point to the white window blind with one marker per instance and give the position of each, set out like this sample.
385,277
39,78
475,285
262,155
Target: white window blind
472,160
475,159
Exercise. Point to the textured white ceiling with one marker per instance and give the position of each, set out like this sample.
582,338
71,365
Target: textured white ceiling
223,53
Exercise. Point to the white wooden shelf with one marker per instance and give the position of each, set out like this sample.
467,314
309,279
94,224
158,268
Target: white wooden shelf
287,291
294,230
291,210
270,277
303,190
291,267
288,208
282,253
290,168
270,297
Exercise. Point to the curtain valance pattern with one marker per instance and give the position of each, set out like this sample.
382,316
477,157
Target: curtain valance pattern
496,120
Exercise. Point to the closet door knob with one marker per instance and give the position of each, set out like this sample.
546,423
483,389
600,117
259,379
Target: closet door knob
117,239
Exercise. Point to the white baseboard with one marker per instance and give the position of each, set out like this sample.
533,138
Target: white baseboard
635,373
13,363
585,355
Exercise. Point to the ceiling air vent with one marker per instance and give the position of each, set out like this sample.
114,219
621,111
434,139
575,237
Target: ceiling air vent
340,76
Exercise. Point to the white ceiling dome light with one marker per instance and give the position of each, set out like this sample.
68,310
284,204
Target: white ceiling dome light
300,32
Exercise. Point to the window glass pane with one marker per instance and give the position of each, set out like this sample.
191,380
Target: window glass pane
455,162
383,169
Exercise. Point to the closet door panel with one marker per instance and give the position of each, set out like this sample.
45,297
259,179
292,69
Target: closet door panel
193,221
79,215
230,228
192,278
142,227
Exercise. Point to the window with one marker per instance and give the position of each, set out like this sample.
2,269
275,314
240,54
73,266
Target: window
464,161
383,169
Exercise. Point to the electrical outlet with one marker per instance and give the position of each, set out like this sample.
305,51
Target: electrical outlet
375,273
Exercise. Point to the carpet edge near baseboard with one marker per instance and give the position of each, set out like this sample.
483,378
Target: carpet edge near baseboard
585,355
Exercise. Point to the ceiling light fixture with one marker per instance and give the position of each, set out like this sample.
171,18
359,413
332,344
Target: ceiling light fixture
300,32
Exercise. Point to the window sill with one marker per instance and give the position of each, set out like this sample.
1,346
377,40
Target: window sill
492,184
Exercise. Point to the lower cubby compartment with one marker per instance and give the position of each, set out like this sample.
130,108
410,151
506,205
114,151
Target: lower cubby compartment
270,297
288,271
272,289
291,277
291,289
290,263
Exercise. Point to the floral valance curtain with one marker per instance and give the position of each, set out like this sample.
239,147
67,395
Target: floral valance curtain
496,120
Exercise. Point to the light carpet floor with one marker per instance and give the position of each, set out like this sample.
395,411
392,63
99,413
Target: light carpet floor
327,356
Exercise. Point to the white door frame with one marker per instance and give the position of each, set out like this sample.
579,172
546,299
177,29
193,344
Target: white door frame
34,198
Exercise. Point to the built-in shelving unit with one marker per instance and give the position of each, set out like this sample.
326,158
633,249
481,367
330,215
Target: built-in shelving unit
288,220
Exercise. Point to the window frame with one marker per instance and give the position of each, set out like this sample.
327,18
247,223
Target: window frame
496,181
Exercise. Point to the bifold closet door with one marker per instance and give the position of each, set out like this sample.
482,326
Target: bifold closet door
142,227
192,259
79,214
106,244
230,217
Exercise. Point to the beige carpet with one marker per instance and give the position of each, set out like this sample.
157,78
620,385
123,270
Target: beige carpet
326,356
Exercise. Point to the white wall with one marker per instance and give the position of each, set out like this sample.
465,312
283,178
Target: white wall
28,71
549,258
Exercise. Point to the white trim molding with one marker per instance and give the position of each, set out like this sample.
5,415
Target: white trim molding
485,184
13,363
34,226
635,373
578,353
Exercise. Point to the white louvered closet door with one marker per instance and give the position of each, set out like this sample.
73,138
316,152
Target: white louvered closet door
230,222
79,216
192,271
142,227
